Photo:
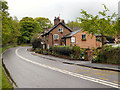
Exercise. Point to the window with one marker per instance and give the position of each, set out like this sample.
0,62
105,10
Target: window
72,39
60,29
56,36
83,37
47,46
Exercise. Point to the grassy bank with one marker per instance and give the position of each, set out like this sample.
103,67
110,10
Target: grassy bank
5,82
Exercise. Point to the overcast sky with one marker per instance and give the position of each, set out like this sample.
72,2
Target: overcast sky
67,9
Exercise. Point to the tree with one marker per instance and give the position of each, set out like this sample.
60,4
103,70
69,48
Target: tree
36,41
101,24
73,24
28,27
15,29
44,23
117,26
4,7
10,30
10,26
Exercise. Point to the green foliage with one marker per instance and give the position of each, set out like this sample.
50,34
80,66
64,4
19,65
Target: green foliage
10,26
10,30
73,24
117,26
5,82
44,23
28,27
76,50
109,55
4,7
21,32
39,50
62,50
36,41
70,51
100,24
45,52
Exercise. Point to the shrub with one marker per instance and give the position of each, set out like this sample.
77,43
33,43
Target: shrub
45,52
62,50
76,51
39,50
71,51
36,42
109,55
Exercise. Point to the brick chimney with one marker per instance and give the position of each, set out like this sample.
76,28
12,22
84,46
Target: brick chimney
56,20
63,21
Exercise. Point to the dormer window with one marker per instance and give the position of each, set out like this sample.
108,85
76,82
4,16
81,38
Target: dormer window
60,29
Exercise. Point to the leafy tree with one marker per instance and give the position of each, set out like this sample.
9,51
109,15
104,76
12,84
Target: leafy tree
101,24
10,26
36,41
15,29
10,30
73,24
28,27
4,7
44,23
117,26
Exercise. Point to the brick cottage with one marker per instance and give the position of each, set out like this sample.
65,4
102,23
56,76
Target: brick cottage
62,35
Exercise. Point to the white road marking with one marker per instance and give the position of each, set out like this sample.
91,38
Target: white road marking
70,73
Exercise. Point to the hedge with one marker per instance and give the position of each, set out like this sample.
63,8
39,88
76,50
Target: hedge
74,51
109,55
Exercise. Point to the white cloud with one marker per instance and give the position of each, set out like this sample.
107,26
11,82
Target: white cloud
68,9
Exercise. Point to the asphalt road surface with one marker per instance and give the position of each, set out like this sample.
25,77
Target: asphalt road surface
31,71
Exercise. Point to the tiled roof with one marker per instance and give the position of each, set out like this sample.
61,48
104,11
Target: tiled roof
72,33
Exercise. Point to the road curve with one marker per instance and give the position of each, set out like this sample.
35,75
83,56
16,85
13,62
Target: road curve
29,71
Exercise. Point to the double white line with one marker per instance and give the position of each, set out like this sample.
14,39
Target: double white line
70,73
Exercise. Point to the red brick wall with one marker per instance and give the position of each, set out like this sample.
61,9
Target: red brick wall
68,42
89,42
55,31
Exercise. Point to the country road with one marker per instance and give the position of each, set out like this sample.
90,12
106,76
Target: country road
30,71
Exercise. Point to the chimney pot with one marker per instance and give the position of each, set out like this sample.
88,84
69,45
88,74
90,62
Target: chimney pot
56,20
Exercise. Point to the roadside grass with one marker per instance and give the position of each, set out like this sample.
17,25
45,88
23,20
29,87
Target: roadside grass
4,82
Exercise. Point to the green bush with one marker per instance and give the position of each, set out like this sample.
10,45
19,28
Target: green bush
70,51
109,55
62,50
76,50
45,52
39,50
36,42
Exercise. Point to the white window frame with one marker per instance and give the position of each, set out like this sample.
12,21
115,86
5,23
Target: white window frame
73,39
54,36
48,46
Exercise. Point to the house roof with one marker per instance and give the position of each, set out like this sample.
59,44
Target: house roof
55,27
72,33
75,32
